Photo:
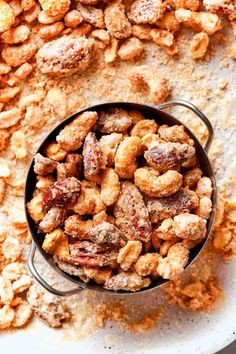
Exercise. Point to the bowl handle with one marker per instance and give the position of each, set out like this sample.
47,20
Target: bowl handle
38,277
194,109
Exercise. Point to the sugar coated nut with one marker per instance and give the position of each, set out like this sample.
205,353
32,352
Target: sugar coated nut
129,254
18,55
189,226
64,56
7,17
54,7
125,159
147,179
6,316
72,136
173,265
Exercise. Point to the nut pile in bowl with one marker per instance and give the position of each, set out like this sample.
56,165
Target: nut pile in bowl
119,200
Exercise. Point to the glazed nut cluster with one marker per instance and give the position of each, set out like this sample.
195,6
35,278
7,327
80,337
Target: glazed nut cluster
120,200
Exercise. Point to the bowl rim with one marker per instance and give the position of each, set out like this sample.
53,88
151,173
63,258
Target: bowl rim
99,107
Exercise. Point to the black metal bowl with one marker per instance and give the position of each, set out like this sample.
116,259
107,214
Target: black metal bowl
161,118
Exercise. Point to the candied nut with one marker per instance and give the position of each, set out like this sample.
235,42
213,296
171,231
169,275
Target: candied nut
71,168
155,240
102,275
146,77
7,16
146,11
91,155
108,147
142,31
33,13
4,168
165,246
162,37
51,31
49,308
164,231
11,249
147,264
92,15
89,201
23,71
16,7
54,7
199,45
13,271
102,35
35,207
72,136
43,183
10,118
8,93
27,4
4,68
18,55
78,228
55,152
129,254
6,291
173,265
43,165
2,189
56,242
148,180
116,21
80,256
54,218
64,56
144,127
201,21
73,18
184,4
191,177
23,313
110,53
46,19
130,49
204,187
175,134
21,284
189,226
125,158
168,155
127,281
168,22
84,29
131,214
150,140
18,145
6,312
183,201
106,233
110,186
5,135
204,209
114,120
65,191
17,214
16,35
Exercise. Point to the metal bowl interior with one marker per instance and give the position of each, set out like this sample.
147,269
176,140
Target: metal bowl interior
161,118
